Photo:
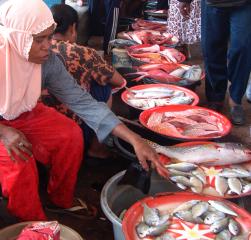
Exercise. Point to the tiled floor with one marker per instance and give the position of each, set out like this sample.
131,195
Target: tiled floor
92,178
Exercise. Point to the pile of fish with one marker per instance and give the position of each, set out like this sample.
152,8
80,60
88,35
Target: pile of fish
149,37
121,43
155,54
208,154
141,24
215,217
169,73
187,123
156,96
219,181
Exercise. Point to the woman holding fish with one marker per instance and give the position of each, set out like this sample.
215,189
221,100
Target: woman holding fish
226,46
30,131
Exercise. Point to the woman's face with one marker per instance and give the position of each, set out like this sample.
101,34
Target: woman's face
40,47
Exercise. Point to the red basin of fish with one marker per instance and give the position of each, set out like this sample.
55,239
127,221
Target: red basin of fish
142,102
147,53
210,187
184,122
141,24
178,228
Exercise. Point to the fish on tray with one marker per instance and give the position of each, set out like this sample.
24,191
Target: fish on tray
141,24
194,219
155,54
228,181
169,73
149,37
156,96
208,153
187,123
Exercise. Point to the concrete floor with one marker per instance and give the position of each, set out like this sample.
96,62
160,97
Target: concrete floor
92,178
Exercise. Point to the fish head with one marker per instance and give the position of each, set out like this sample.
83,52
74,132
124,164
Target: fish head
237,149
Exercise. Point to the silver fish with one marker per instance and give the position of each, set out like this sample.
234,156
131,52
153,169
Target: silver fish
187,216
235,185
221,185
186,205
181,100
179,72
219,225
246,188
199,209
183,180
193,73
143,230
231,173
208,154
212,217
242,172
199,173
197,185
151,216
234,227
241,237
183,187
174,172
224,235
220,206
165,236
184,167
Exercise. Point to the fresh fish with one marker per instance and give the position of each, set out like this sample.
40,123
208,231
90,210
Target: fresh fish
154,119
235,185
232,173
212,217
174,172
224,235
242,172
152,94
241,237
154,89
186,206
151,216
208,154
199,209
197,185
193,73
234,227
183,180
221,185
143,230
199,132
246,188
181,100
122,43
220,206
179,72
199,173
219,225
187,216
165,236
181,186
184,167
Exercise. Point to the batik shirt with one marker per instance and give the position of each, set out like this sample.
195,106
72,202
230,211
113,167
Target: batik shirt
85,65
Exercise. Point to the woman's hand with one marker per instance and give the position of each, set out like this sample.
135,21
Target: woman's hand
185,9
15,143
145,154
143,151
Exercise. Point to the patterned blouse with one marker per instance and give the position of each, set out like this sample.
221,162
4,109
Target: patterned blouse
85,65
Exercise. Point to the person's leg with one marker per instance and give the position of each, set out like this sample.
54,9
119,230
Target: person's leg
239,56
112,18
19,183
58,143
214,40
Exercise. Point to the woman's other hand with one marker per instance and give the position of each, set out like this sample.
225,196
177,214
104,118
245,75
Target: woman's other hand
15,143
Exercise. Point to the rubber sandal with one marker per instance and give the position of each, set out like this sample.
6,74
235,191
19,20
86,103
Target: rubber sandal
82,211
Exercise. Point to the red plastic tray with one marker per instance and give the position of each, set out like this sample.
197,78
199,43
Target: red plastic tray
226,124
169,201
124,95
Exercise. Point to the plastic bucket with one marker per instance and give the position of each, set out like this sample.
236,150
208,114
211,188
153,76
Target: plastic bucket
116,198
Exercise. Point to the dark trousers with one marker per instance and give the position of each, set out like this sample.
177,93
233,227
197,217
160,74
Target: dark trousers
111,23
226,46
162,4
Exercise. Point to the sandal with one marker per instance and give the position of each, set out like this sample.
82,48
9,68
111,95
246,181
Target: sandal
82,211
